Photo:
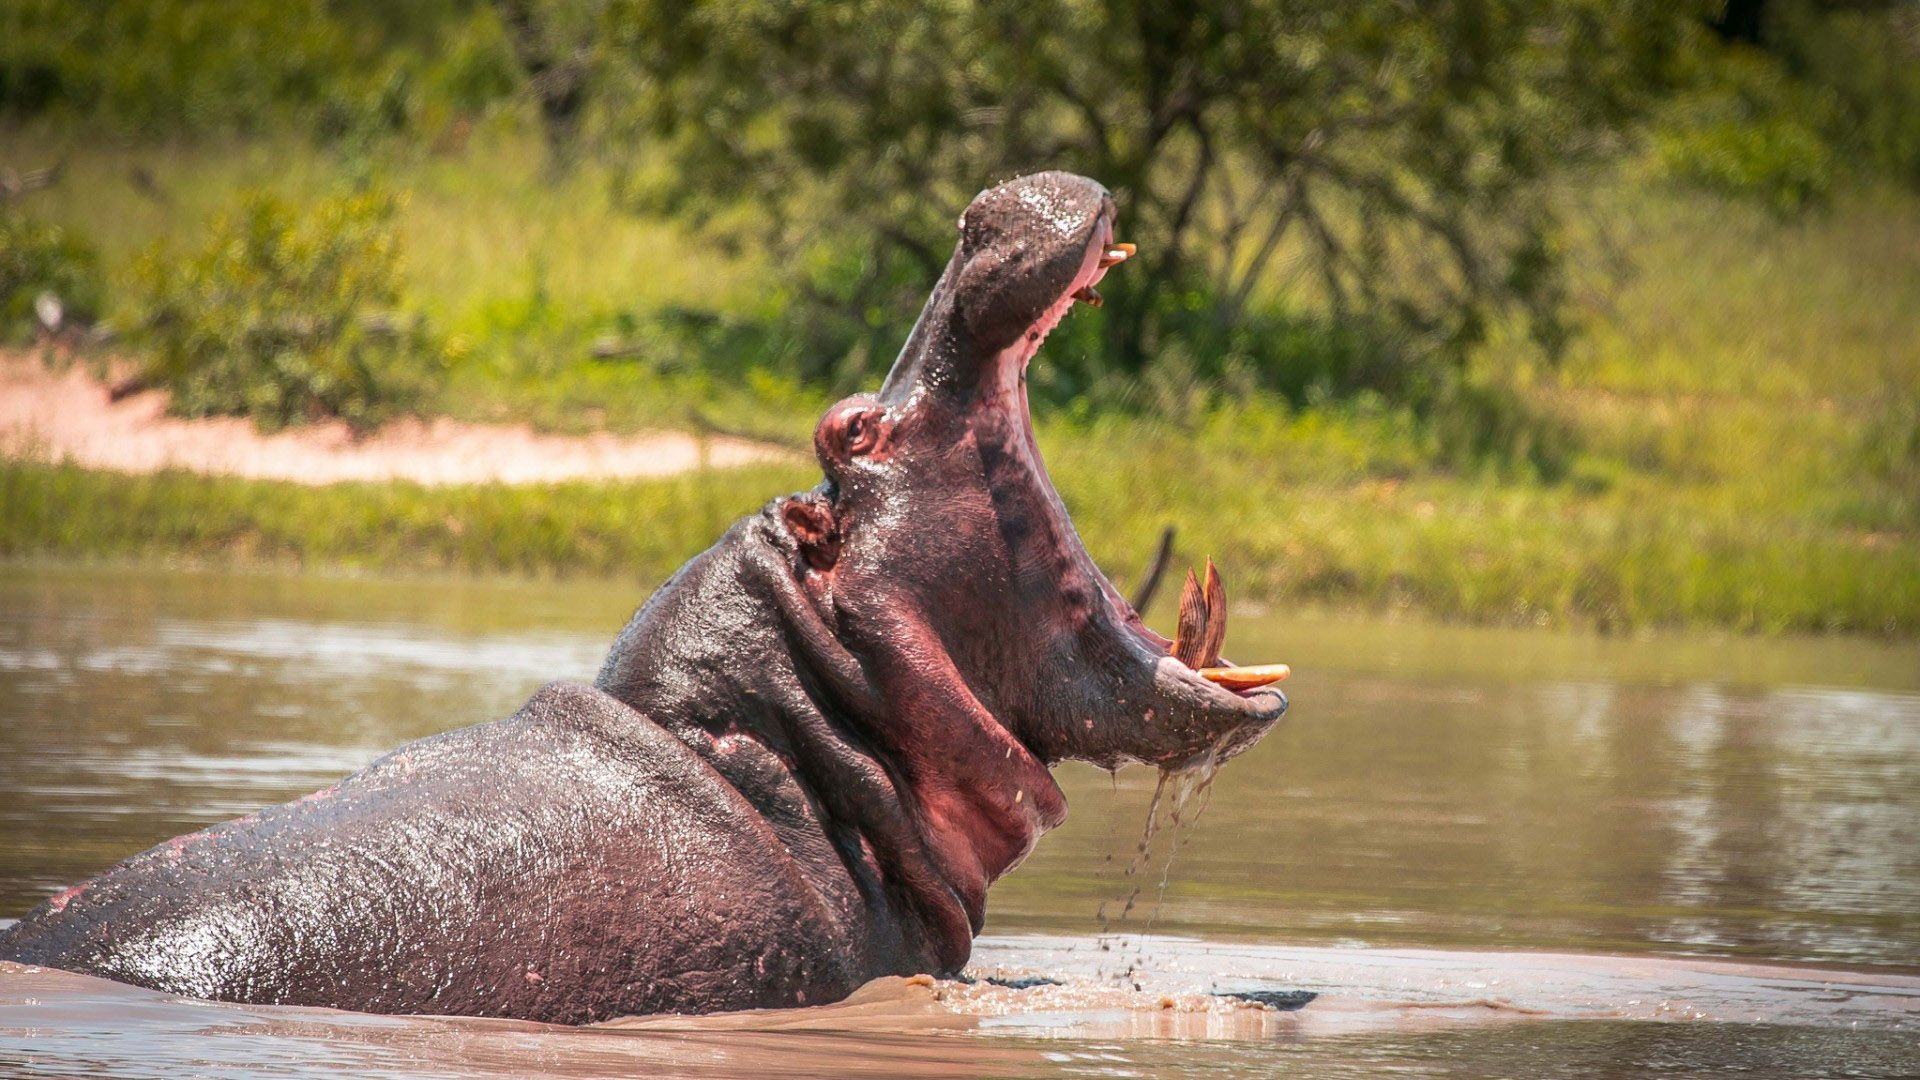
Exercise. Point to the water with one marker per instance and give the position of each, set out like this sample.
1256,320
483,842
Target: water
1443,815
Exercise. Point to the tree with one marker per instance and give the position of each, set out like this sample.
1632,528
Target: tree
553,41
1388,157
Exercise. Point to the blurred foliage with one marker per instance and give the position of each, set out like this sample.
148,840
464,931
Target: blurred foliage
1777,161
1337,201
1890,444
1749,130
1863,58
1808,92
1386,162
288,314
40,257
157,66
558,45
1737,400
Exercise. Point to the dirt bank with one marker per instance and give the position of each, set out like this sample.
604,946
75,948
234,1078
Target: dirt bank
69,415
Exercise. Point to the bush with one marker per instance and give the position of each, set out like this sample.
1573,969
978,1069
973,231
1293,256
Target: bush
35,258
288,315
1751,132
1777,161
1862,59
246,65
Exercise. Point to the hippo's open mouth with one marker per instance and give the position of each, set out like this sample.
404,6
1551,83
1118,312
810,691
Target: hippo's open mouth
939,545
1202,627
804,762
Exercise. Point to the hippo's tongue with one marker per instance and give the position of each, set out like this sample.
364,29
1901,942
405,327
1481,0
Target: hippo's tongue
1203,629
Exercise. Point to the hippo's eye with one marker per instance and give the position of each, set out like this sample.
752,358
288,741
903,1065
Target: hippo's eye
862,433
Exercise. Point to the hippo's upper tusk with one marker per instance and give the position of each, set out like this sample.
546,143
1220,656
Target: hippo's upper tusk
1116,254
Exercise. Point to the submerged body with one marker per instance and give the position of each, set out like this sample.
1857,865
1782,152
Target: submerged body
802,765
447,877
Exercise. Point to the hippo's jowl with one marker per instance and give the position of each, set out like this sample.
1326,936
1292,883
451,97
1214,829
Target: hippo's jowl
803,763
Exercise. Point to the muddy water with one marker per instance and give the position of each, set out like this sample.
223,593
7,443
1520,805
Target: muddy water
1446,816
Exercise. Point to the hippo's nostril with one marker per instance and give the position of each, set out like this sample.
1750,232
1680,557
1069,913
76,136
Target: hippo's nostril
853,428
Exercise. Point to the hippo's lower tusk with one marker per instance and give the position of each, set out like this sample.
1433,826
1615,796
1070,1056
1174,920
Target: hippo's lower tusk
1203,630
1246,678
1216,636
1087,295
1192,628
1203,620
1116,254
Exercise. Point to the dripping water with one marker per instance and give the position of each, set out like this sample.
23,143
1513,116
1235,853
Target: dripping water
1180,797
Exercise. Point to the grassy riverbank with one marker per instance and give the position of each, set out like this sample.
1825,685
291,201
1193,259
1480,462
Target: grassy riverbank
1285,525
1741,412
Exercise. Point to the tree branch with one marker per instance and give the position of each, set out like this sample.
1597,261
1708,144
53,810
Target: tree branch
1157,569
1282,220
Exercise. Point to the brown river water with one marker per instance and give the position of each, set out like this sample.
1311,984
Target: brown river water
1469,852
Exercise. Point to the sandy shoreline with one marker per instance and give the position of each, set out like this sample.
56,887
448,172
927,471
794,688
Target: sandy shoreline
68,415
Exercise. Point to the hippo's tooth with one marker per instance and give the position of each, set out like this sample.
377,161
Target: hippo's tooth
1190,637
1216,635
1245,678
1116,254
1086,295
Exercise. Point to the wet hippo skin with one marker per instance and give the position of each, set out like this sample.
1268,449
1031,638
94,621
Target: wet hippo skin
803,763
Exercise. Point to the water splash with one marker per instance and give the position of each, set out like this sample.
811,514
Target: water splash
1180,797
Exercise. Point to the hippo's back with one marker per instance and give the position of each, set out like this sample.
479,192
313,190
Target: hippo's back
570,863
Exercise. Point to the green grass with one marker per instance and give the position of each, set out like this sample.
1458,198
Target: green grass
639,530
1745,399
1486,552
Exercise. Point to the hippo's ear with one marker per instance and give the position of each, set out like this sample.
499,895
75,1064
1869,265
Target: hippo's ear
811,521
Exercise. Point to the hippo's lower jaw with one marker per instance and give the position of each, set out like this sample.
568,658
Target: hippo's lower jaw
802,765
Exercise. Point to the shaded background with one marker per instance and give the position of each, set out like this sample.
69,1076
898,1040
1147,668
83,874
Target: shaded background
1521,311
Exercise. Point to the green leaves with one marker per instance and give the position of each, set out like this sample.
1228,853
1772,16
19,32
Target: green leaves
1359,159
288,315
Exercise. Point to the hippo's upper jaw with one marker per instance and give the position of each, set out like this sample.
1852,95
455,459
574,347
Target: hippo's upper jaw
943,559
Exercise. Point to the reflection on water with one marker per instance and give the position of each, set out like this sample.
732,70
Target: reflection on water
1431,785
1478,789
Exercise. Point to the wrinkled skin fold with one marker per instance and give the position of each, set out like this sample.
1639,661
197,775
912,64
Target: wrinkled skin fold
803,763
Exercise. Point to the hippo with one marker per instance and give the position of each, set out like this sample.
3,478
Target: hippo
804,761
